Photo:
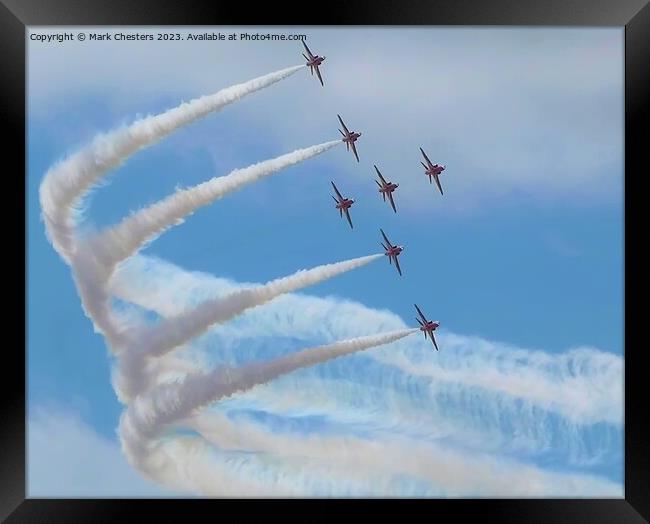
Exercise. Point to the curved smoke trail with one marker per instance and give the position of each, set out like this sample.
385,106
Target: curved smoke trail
175,331
93,260
151,414
67,182
125,239
99,255
153,411
354,455
157,406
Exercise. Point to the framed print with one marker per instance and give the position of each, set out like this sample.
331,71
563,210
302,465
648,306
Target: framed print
329,256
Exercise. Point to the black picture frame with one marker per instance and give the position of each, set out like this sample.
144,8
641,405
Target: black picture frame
634,15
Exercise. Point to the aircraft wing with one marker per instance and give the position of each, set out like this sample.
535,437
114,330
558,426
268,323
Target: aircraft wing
354,150
381,177
433,339
426,157
438,183
346,129
307,49
347,215
337,191
420,312
383,193
318,75
397,266
385,237
392,203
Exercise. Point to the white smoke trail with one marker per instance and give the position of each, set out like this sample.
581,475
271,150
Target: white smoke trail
66,183
186,464
125,239
176,401
60,191
98,256
94,260
150,414
182,462
175,331
509,414
583,385
387,403
189,465
446,469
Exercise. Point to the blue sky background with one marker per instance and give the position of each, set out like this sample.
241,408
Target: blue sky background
525,247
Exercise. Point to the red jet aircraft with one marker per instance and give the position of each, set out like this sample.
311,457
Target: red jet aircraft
392,252
432,170
343,204
386,188
313,61
349,138
427,326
